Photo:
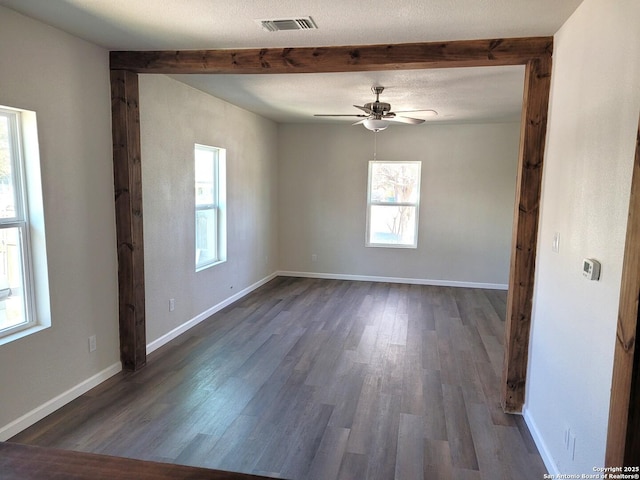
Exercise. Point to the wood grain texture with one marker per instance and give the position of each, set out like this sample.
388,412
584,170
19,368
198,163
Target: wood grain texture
128,204
525,232
467,53
632,445
27,462
275,385
623,444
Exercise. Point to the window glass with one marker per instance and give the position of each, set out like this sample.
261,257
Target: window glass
15,279
12,299
392,213
210,225
7,153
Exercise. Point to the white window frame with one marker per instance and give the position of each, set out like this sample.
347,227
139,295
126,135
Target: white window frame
218,205
21,222
371,203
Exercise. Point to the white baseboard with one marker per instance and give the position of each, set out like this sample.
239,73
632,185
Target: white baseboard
54,404
547,458
413,281
167,337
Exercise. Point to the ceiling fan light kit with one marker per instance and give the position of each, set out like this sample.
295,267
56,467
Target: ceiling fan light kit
375,124
378,115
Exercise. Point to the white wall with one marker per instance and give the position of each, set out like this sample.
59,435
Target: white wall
66,82
173,118
595,102
466,209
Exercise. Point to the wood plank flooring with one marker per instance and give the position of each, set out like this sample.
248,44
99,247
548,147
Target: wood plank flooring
322,380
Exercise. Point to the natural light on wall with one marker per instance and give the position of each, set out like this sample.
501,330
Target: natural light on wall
392,204
210,221
24,289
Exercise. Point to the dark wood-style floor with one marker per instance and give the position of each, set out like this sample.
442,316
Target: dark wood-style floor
318,379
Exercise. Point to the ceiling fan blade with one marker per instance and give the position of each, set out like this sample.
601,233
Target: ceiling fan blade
408,120
364,109
423,113
339,115
377,113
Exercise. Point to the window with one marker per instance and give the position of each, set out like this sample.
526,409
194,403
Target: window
210,170
16,286
392,204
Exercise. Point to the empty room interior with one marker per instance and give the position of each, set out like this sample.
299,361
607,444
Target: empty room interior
319,240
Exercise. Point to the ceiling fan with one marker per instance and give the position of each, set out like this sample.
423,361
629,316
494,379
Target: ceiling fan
377,115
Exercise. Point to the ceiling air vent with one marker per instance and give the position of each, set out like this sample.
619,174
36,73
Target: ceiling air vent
304,23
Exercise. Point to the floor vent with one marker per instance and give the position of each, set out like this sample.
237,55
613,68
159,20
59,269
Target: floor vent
304,23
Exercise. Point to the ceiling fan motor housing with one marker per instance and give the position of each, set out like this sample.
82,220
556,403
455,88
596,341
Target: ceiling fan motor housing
378,108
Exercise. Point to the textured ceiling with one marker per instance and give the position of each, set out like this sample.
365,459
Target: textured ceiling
457,94
462,94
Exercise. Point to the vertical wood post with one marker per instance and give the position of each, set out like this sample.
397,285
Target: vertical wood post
127,172
525,231
623,436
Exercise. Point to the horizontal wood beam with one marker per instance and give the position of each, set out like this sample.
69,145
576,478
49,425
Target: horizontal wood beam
28,462
463,53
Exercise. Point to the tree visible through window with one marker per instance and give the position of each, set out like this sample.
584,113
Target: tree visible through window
393,199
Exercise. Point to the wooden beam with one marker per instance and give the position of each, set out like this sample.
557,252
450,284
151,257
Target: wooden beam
624,409
465,53
28,462
632,444
534,52
128,202
525,232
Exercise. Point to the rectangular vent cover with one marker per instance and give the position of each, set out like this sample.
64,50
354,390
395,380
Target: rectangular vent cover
304,23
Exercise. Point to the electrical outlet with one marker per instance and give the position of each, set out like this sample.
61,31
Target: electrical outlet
92,343
314,257
172,304
555,246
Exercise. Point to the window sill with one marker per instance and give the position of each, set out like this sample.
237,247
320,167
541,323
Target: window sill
209,265
22,333
389,245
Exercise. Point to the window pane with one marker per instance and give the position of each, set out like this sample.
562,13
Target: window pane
12,304
205,176
210,215
7,190
394,182
392,225
206,236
